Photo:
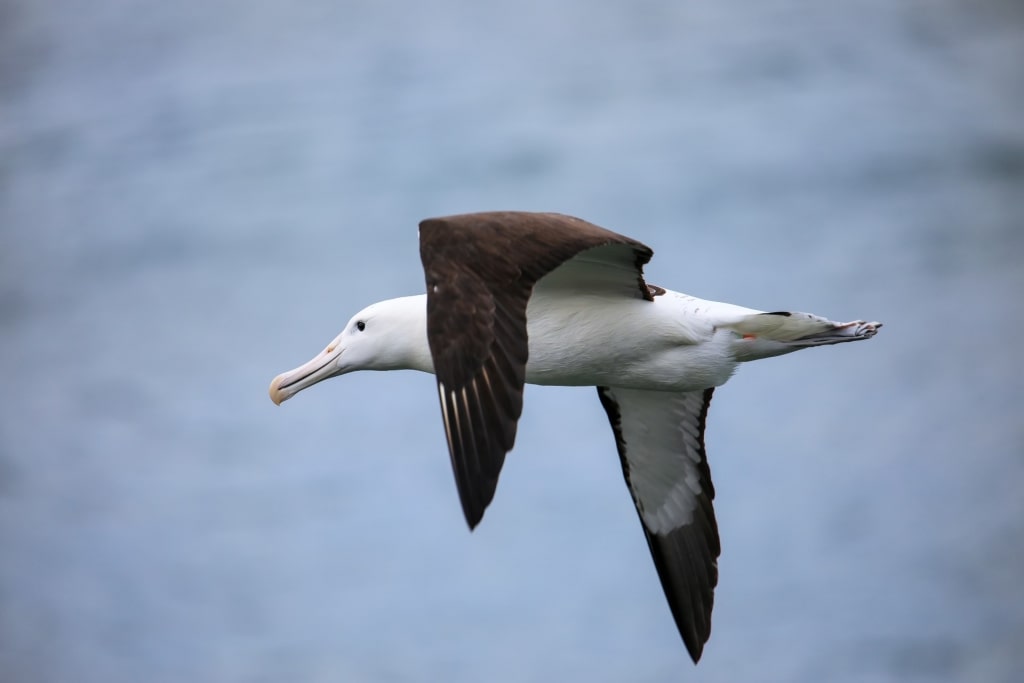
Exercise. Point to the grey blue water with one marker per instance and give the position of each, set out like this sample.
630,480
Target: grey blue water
195,196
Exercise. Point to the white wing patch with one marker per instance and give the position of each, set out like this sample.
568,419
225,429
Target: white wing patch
610,270
662,444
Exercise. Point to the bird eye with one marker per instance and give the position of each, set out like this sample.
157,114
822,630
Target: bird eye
360,326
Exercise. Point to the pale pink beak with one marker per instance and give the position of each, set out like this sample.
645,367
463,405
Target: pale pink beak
323,366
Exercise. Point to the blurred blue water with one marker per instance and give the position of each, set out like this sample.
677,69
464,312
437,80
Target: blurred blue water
196,196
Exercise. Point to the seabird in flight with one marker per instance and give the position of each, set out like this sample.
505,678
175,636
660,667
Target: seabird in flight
515,297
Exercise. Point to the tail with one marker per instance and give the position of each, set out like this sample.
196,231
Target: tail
763,335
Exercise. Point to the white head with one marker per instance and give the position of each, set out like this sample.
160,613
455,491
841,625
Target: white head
389,335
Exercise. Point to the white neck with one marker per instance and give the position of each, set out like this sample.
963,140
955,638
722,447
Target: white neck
410,342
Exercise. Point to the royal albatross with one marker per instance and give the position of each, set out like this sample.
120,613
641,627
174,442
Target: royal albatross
544,298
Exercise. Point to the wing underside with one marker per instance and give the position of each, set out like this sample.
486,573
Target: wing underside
660,439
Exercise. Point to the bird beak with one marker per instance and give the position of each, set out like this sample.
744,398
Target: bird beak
323,366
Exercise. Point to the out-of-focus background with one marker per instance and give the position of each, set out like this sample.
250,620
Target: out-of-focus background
195,196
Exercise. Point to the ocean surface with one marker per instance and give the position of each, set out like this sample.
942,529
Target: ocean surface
195,196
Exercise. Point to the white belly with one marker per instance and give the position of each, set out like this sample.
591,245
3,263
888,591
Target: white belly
668,344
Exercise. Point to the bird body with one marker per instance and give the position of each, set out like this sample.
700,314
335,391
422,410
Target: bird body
675,343
515,297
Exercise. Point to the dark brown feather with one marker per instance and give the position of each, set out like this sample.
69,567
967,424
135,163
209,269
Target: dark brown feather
480,272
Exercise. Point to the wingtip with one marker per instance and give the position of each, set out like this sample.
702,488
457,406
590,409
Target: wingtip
694,639
472,514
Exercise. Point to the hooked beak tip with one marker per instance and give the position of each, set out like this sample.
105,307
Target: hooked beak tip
276,395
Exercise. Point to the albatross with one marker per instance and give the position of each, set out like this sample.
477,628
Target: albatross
515,297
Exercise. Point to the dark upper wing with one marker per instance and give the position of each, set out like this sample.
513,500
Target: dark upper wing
660,437
480,271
